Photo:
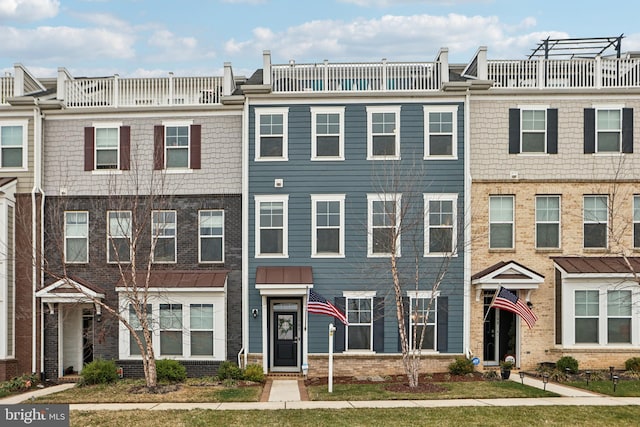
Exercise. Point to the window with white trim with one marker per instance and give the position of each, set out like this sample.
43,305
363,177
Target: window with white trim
118,236
383,136
13,145
384,224
271,236
423,321
636,222
547,222
76,237
211,235
603,315
440,223
440,132
595,221
107,147
618,316
201,327
163,236
359,331
271,134
608,130
587,312
170,329
176,145
327,133
134,321
327,225
501,222
533,129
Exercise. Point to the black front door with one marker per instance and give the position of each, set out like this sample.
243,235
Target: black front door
285,338
499,332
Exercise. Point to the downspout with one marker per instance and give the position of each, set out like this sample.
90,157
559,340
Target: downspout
37,182
245,231
466,337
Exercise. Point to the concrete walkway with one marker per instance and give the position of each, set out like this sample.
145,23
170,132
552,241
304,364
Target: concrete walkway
285,394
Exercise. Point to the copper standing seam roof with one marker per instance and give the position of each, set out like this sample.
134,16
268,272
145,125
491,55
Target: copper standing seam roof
501,264
588,264
284,275
180,279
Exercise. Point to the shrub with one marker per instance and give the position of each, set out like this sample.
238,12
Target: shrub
632,364
254,373
461,366
567,362
229,370
170,370
99,372
21,383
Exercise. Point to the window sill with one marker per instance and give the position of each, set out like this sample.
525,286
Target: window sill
383,158
163,262
211,262
595,250
548,250
263,256
370,255
609,154
176,171
502,250
271,159
532,154
327,159
330,256
360,352
106,172
440,158
440,255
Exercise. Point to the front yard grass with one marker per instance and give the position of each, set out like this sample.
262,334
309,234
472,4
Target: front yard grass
125,391
451,390
625,388
467,416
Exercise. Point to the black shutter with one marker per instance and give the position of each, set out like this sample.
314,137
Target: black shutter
443,324
158,147
125,147
196,132
589,130
552,131
378,324
338,337
627,130
514,131
88,148
406,304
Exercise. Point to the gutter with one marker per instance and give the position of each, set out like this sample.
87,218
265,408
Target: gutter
245,232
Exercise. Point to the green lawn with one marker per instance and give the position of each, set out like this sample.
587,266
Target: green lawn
625,388
468,416
453,390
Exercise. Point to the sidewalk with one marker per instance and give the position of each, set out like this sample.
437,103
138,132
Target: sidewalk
285,394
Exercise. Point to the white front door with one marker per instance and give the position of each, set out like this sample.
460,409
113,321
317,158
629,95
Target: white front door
70,339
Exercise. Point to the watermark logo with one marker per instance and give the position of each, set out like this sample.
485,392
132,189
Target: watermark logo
34,415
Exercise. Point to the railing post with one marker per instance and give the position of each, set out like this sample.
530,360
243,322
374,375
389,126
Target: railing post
116,90
598,70
541,73
170,87
325,77
385,80
266,67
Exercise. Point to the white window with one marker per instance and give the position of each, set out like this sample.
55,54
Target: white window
118,236
134,321
608,130
440,224
533,128
636,222
423,320
359,331
500,222
603,316
177,137
383,136
107,146
271,236
271,134
327,224
441,139
618,316
76,237
211,232
587,312
13,145
595,221
547,221
163,238
170,329
384,224
327,133
202,333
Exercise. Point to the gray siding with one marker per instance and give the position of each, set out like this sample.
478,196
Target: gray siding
355,177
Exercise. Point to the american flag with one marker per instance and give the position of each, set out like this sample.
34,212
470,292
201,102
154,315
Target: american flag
507,300
319,305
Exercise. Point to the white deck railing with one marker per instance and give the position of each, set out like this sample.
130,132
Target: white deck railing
6,89
139,92
362,77
570,73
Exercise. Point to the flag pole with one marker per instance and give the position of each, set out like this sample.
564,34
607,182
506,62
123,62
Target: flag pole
332,329
491,305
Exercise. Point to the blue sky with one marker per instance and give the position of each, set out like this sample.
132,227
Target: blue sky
196,37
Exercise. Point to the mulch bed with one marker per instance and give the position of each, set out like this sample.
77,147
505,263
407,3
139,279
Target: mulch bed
427,383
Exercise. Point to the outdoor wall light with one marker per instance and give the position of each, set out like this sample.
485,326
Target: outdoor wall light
588,375
545,380
99,317
254,313
615,382
521,373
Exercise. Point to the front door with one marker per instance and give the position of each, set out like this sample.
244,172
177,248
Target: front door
285,336
500,332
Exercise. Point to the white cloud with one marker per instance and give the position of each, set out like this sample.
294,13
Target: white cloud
28,10
397,38
171,47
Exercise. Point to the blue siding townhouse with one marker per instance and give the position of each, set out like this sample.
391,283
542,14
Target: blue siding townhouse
337,158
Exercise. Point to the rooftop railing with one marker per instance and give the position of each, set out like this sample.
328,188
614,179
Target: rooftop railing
140,92
6,89
567,73
358,77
